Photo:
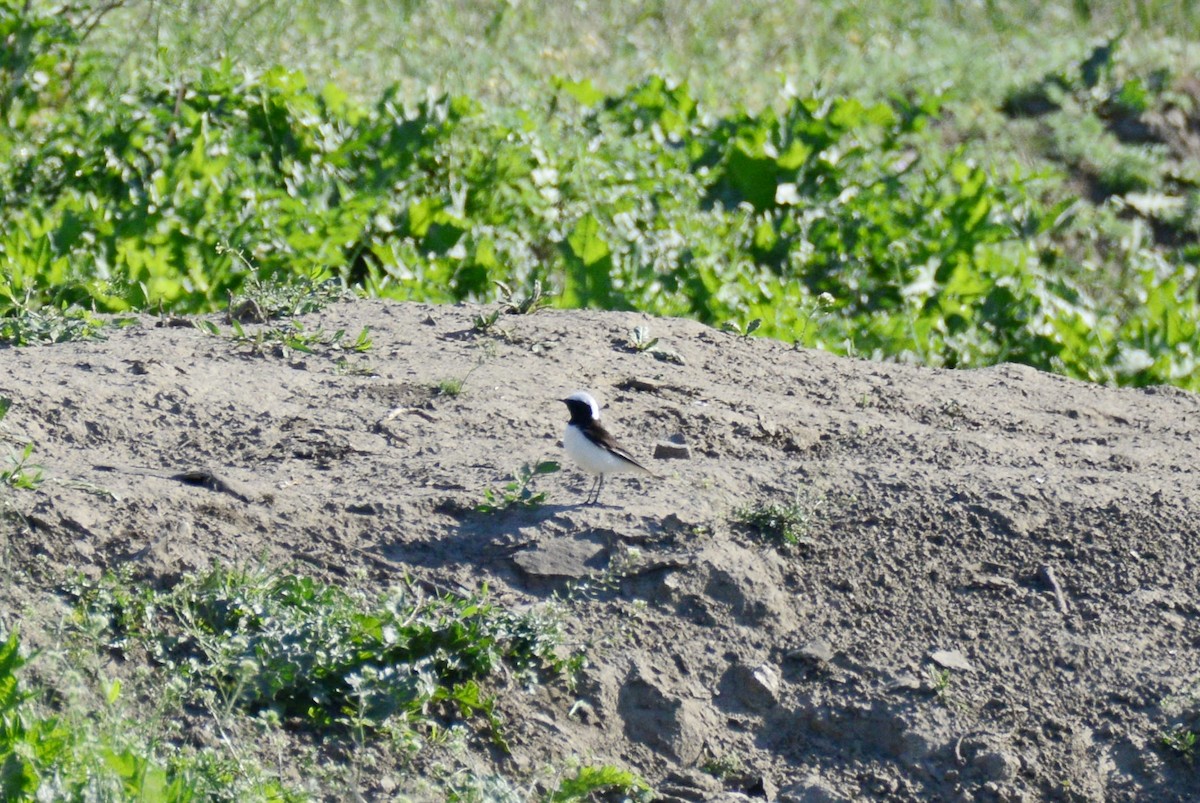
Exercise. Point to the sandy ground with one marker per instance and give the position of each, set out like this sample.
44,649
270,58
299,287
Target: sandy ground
995,597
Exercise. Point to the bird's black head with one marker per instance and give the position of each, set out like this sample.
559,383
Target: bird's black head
583,407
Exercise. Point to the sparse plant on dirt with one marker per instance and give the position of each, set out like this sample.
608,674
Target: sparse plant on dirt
511,304
345,367
938,681
247,641
782,524
1181,742
454,386
588,781
518,492
743,330
24,324
641,340
295,337
726,765
19,473
259,301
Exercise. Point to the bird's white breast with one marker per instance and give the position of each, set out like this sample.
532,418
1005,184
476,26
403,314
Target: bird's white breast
589,456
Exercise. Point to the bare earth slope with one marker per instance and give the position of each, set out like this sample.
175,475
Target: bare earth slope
996,596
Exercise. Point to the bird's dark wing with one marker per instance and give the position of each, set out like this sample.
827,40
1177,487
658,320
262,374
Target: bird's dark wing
603,437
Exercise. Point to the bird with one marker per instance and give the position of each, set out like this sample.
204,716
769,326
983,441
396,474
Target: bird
591,446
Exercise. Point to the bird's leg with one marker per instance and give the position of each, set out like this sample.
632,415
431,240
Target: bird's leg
599,487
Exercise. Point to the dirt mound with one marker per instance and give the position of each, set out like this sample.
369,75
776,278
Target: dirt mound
992,592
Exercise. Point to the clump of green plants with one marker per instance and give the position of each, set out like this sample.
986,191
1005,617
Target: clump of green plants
50,754
325,657
722,767
282,341
518,492
588,781
25,323
20,472
259,301
1181,742
642,342
784,525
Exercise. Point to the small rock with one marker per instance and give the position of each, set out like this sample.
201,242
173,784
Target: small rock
661,719
755,687
905,681
674,448
817,651
811,789
688,784
560,559
951,659
997,765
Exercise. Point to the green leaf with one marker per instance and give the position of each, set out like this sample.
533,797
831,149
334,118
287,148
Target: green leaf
589,266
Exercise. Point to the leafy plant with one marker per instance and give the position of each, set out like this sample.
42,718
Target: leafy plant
23,324
260,640
641,339
738,329
20,473
518,492
590,780
785,525
260,301
296,338
48,756
1181,742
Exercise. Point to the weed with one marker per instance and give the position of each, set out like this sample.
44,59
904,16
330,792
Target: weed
588,781
511,304
746,330
259,301
518,492
939,682
249,641
785,525
24,324
283,341
642,343
1181,742
345,367
641,340
73,755
724,766
454,386
20,473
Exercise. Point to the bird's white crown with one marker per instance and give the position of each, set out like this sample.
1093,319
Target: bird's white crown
586,398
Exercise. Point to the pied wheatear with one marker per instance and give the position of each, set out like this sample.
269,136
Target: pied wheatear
591,446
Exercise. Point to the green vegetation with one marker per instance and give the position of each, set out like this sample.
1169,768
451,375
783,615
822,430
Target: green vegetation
1181,742
19,471
913,241
782,524
955,186
84,754
319,655
518,492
